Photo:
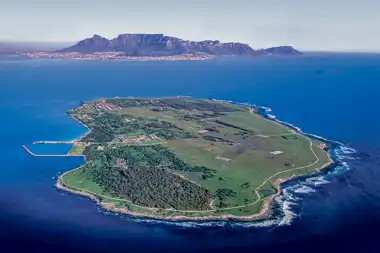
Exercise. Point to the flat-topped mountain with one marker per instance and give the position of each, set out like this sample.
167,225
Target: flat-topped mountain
161,45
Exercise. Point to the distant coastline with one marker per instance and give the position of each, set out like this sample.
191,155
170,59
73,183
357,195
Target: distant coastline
156,47
118,56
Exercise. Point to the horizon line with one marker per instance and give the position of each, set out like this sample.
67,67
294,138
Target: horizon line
69,43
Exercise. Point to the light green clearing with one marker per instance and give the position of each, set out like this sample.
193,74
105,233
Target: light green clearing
77,149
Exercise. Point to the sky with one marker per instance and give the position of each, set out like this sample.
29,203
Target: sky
314,25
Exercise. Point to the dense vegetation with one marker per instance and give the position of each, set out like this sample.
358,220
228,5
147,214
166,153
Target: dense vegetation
165,130
99,134
222,195
145,176
175,103
106,126
232,125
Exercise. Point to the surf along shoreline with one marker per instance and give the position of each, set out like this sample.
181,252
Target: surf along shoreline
264,213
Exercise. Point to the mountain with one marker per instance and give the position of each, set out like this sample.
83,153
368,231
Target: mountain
161,45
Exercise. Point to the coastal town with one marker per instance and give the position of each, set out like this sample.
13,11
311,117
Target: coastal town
118,56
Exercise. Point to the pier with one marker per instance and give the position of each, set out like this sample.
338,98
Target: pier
53,142
48,155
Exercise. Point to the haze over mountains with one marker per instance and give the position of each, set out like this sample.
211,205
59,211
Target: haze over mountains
161,45
14,47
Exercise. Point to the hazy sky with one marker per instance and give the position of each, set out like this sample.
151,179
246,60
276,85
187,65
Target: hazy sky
338,25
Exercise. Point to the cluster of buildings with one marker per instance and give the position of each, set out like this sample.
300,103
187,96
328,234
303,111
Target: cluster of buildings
98,105
118,56
138,139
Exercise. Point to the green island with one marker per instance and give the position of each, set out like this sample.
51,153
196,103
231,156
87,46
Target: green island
186,158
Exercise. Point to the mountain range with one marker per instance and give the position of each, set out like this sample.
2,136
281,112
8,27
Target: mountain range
161,45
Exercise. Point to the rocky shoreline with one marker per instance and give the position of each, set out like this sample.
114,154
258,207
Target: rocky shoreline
264,213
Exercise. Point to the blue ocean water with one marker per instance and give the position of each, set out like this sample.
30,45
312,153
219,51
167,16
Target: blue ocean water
330,95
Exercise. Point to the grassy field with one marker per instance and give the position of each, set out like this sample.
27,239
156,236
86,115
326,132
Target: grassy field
246,153
79,179
250,168
77,149
254,123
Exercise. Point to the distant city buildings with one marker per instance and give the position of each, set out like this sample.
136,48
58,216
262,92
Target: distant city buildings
118,56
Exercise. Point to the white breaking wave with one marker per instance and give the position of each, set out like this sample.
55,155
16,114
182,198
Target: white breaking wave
304,189
289,216
288,193
345,150
267,109
317,181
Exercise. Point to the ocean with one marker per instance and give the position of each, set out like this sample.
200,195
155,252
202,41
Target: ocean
332,95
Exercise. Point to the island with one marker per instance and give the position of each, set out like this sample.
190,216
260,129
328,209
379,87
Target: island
144,47
183,158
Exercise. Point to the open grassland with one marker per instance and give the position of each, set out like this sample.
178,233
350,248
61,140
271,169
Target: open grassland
77,149
255,123
78,179
248,170
200,157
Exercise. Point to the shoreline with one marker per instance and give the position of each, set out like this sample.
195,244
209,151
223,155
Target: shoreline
82,135
72,142
117,56
264,212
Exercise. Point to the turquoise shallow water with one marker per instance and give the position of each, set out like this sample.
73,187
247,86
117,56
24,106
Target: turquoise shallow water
331,95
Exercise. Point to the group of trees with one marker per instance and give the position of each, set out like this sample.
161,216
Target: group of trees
165,130
137,102
175,103
222,195
146,178
233,126
200,116
103,127
197,104
152,156
152,187
99,134
106,126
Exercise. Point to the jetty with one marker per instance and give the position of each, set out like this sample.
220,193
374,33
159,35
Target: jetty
48,155
53,142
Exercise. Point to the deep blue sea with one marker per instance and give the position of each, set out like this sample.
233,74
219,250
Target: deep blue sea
336,96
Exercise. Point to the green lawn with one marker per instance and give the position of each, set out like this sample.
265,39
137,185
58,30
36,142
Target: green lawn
254,123
77,149
78,179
